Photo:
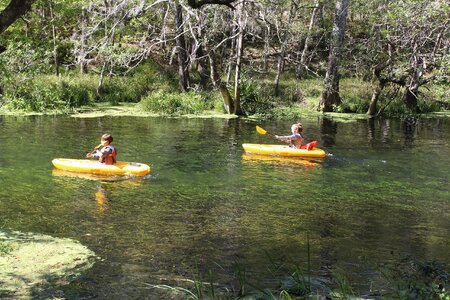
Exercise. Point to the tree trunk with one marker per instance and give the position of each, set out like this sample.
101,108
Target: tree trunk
230,62
201,66
82,54
266,51
410,98
412,89
55,45
330,94
217,83
239,51
100,80
302,66
280,67
183,72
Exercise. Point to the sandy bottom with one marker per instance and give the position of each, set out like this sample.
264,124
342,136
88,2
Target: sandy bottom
29,263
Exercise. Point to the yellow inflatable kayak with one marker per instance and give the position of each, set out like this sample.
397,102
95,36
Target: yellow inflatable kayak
283,150
95,167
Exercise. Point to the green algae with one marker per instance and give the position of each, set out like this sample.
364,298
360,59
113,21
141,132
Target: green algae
34,261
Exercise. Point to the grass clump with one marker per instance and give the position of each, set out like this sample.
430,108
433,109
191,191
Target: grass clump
355,96
175,104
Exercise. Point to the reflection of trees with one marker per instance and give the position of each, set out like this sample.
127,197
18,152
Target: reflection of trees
409,128
370,130
409,131
328,129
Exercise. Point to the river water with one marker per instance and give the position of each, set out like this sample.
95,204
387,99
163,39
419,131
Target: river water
380,195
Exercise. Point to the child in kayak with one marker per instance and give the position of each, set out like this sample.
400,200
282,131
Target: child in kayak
296,138
105,152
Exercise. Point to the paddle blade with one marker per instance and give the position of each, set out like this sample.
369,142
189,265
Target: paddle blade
260,130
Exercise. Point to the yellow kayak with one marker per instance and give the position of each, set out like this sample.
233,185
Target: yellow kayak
283,150
95,167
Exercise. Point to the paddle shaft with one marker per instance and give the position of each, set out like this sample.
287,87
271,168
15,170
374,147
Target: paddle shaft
95,149
261,130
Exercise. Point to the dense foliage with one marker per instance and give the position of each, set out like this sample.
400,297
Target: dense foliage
65,54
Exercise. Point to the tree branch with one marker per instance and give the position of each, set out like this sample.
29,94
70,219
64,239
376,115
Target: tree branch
199,3
13,11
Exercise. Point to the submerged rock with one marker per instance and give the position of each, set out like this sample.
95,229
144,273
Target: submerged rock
30,262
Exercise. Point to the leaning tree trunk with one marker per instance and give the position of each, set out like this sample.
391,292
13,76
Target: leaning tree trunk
183,72
218,83
374,100
330,93
380,86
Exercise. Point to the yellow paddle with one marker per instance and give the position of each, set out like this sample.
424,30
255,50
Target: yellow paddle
263,131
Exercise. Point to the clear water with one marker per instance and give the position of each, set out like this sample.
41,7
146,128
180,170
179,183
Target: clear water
382,193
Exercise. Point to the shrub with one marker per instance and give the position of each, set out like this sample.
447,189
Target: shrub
253,100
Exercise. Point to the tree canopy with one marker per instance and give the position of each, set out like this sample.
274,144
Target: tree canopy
401,44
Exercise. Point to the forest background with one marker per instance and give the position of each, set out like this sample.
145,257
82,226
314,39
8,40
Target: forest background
264,58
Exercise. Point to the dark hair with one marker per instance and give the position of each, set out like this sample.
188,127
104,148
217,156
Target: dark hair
107,137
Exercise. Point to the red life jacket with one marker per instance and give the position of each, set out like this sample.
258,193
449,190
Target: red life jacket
309,146
109,159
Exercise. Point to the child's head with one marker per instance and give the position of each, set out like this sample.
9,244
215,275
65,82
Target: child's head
107,138
297,128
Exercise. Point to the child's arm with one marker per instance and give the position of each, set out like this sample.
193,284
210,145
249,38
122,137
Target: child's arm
287,137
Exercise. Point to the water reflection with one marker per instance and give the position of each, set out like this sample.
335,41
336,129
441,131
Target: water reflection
105,184
328,129
409,131
101,197
306,164
213,205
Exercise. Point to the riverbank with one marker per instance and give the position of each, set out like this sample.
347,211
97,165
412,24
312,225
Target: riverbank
126,109
29,263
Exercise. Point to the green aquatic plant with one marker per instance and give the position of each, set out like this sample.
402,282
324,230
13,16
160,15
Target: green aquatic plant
5,248
414,279
407,279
